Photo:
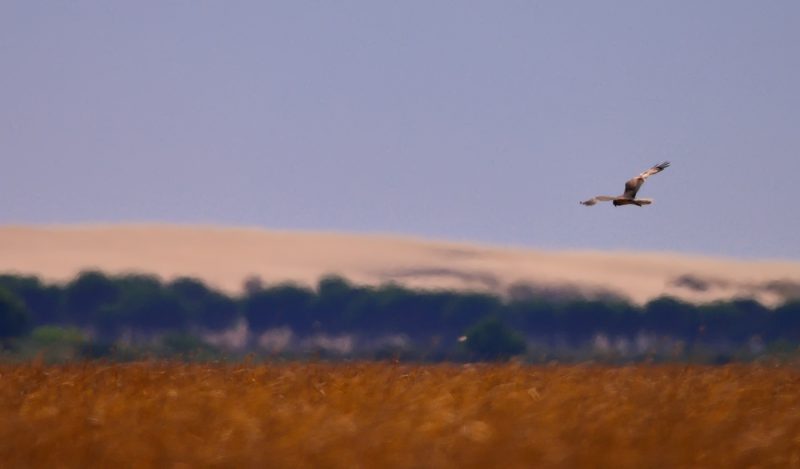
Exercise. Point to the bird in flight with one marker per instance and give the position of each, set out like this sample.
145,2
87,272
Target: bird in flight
631,188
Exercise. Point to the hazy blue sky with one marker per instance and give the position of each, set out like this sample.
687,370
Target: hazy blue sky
482,121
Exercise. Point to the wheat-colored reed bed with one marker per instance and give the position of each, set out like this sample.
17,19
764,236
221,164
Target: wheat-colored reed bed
378,415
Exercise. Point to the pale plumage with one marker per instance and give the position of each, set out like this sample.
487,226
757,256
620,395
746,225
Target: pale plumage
631,188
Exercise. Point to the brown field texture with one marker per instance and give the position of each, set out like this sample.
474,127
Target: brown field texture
154,414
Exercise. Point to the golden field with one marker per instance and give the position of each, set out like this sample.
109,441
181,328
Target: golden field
165,414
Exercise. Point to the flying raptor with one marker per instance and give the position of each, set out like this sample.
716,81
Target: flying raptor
631,188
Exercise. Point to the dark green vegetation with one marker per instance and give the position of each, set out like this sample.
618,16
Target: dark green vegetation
98,315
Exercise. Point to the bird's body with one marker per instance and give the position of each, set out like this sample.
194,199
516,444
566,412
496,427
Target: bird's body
631,189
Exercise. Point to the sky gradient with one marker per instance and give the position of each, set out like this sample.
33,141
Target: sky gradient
478,121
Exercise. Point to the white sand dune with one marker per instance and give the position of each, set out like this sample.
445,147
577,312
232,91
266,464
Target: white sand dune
224,257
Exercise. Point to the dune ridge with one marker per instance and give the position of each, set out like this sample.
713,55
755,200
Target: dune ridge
225,256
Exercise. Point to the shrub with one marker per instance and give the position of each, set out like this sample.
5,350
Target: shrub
490,339
15,319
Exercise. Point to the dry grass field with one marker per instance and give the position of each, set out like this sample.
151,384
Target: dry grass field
154,414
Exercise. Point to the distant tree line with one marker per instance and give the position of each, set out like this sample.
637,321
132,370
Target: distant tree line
142,304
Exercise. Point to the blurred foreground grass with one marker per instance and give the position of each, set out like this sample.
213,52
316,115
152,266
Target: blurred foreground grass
167,414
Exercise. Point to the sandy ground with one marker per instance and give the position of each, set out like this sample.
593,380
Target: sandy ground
224,257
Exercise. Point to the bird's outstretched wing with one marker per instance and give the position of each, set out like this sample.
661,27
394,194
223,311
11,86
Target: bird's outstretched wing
633,185
655,169
599,198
